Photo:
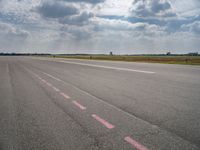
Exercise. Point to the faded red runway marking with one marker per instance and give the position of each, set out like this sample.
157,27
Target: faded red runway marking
49,84
51,76
37,75
135,144
102,121
43,80
64,95
56,89
79,105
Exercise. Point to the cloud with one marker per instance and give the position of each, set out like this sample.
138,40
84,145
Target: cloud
152,8
193,27
11,38
127,29
8,30
186,8
55,9
86,1
78,34
98,26
65,13
79,19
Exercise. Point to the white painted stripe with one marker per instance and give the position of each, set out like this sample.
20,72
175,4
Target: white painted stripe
100,66
107,67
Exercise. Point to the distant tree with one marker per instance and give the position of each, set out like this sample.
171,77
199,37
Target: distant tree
111,53
193,54
168,53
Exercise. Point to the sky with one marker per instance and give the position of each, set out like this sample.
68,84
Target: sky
100,26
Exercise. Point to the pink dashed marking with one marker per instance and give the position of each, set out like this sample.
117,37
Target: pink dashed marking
43,80
49,84
56,89
102,121
64,95
135,144
37,75
79,105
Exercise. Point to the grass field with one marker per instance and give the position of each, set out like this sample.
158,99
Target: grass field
186,60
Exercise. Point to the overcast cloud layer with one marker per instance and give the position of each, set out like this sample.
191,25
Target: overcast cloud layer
100,26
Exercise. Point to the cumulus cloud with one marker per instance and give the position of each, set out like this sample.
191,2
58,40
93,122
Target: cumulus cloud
56,9
81,33
193,27
86,1
66,13
79,19
152,8
8,30
127,29
99,25
11,37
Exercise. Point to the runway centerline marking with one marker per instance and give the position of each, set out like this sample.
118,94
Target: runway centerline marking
49,84
51,76
102,101
108,125
108,67
64,95
79,105
135,144
102,121
43,80
56,89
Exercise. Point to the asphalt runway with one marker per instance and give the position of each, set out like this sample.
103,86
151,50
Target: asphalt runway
70,104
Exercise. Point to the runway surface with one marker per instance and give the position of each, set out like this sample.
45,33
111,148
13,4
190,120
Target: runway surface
59,104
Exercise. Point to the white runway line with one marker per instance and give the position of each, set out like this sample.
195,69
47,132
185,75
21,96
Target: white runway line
107,67
100,66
